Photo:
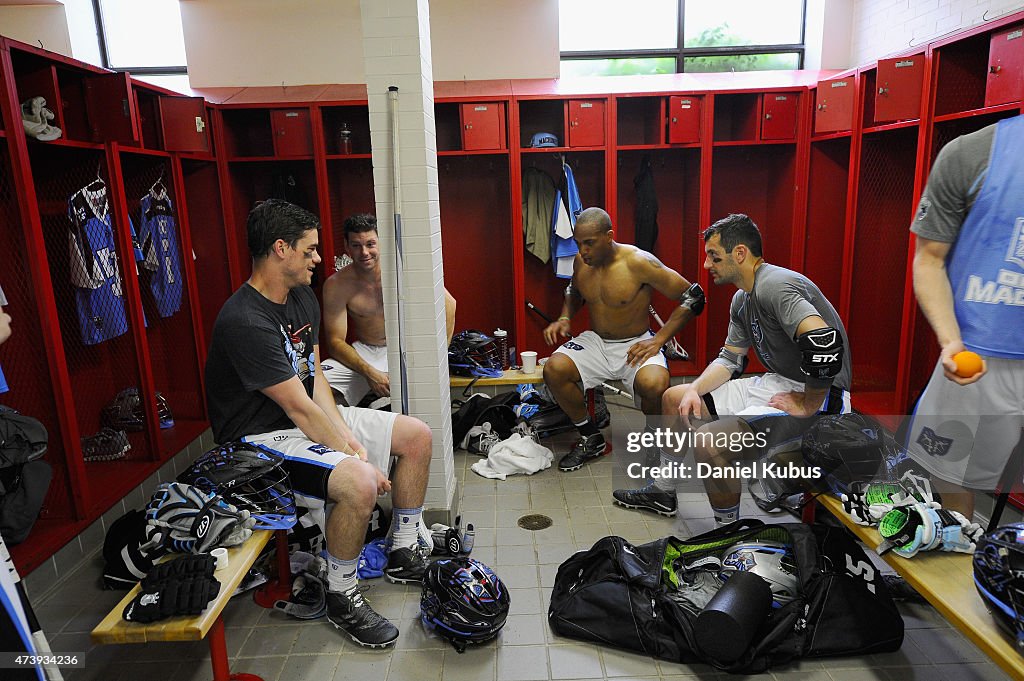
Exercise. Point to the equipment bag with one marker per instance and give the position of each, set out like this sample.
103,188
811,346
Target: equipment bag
24,479
617,594
551,420
480,409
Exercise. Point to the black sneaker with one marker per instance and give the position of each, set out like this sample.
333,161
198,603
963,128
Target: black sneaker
586,448
350,613
648,498
405,565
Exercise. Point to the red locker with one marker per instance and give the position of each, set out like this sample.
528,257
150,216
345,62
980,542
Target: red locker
684,117
293,135
483,126
586,122
833,110
183,124
778,120
110,108
898,97
1005,67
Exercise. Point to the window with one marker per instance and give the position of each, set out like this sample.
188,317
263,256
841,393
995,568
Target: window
141,37
609,37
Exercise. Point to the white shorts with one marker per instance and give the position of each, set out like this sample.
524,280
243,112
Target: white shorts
352,385
748,398
600,360
310,464
965,434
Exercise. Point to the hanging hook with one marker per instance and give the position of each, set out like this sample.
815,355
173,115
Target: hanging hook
99,166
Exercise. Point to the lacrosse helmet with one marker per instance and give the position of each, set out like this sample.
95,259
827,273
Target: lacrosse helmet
125,411
847,448
463,601
474,353
999,576
771,561
251,479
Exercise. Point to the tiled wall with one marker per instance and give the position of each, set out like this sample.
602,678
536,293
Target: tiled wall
882,27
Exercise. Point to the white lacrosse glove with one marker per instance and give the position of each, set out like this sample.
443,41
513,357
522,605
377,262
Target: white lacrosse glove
867,502
909,530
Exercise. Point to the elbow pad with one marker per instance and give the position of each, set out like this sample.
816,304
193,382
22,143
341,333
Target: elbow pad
693,299
733,361
821,353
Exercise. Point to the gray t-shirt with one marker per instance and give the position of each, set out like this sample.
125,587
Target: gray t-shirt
767,319
953,186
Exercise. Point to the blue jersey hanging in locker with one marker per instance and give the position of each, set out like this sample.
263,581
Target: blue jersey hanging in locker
159,238
92,251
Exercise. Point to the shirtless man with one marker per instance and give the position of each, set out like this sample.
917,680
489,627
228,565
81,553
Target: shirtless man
354,294
616,281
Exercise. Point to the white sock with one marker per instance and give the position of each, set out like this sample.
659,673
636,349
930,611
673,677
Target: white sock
342,575
724,516
405,527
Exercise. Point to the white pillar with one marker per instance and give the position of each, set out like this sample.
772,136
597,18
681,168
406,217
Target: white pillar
396,50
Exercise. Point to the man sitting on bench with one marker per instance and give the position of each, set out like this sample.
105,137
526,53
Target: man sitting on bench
264,386
353,295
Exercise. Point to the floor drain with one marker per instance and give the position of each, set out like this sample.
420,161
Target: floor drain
534,521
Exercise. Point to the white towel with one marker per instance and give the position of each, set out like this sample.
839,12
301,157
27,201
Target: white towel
514,455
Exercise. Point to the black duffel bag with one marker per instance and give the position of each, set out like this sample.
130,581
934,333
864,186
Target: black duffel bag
24,478
616,594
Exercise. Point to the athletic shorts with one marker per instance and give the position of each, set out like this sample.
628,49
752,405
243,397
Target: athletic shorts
309,464
747,398
965,434
353,385
600,360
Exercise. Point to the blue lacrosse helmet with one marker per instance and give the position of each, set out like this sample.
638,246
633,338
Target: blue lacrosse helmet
475,354
999,577
463,601
250,478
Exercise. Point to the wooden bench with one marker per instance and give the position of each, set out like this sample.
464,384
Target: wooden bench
114,629
508,377
946,580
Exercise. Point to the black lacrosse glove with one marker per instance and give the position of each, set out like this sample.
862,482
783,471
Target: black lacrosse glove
173,596
184,567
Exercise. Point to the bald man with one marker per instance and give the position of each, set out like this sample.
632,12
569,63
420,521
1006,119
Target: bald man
616,282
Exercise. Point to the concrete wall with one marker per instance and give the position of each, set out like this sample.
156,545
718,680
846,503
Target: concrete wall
45,25
268,42
882,27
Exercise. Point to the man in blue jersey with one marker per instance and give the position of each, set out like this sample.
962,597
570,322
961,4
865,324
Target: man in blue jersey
969,282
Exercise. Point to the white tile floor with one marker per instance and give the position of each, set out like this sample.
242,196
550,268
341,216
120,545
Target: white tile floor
279,649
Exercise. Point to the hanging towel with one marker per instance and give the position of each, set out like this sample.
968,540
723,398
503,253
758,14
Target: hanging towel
538,205
645,217
563,222
514,455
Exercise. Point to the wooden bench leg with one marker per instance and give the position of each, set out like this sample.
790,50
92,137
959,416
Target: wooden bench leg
219,656
279,589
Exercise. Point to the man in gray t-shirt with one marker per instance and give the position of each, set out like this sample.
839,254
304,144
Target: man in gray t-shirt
796,334
969,282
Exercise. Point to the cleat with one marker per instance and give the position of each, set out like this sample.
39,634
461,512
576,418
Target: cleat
588,447
353,615
405,565
648,498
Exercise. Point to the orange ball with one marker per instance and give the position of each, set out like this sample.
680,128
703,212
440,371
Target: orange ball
967,363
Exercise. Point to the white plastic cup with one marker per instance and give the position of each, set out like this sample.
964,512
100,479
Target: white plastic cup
221,554
529,361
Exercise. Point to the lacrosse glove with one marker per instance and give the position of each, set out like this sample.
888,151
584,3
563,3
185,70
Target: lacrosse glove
867,502
927,527
189,520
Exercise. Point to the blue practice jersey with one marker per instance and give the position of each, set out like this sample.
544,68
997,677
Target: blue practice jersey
92,251
159,239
